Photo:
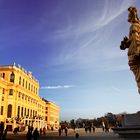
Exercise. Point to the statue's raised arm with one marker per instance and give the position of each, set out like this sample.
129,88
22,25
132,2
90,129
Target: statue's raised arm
133,44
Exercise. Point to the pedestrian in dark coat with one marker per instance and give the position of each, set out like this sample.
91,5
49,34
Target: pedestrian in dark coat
36,134
5,134
29,134
66,131
59,131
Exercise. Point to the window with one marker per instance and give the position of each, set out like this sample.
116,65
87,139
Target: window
18,113
2,75
28,112
19,80
25,112
12,77
1,110
26,84
2,99
22,96
23,83
11,92
29,87
19,94
9,111
22,112
3,91
31,113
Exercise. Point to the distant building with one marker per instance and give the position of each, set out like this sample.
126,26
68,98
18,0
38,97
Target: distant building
20,103
53,115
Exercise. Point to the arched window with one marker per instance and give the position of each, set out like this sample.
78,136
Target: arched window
18,112
26,84
29,87
3,91
25,112
11,91
23,96
23,83
3,75
22,112
31,113
9,111
19,80
19,94
28,112
12,77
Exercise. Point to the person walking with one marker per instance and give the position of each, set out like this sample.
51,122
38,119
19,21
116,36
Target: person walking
66,131
29,134
44,130
93,128
41,131
59,131
1,130
86,129
89,129
77,135
103,126
107,128
36,134
5,134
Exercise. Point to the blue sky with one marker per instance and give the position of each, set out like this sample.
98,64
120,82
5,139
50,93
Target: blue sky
72,48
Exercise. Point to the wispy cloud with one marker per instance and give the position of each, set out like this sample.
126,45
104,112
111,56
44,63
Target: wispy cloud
109,13
58,87
92,23
85,41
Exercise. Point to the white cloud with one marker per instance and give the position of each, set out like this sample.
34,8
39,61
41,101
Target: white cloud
109,13
84,44
92,23
58,87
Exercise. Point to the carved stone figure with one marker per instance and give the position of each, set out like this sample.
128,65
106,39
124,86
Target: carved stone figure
133,44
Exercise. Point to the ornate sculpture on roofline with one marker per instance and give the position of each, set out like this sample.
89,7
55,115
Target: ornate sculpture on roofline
133,44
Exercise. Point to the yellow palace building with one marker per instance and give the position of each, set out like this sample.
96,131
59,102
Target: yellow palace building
20,103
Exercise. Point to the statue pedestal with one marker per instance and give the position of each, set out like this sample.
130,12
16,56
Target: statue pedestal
130,126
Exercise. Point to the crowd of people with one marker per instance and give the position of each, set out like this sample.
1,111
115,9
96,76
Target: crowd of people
35,134
89,129
60,130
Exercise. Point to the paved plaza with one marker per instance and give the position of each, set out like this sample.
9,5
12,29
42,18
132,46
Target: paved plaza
53,135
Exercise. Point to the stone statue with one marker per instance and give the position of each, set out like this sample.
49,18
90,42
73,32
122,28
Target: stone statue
133,44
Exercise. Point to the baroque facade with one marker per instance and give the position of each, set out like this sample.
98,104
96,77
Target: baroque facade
20,103
52,115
